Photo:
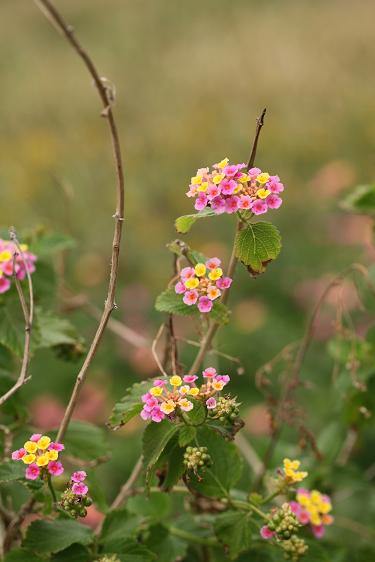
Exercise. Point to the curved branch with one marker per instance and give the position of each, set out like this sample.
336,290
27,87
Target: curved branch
106,97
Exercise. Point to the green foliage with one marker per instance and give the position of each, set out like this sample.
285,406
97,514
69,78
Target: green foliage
75,552
168,548
11,471
53,536
129,406
186,434
233,531
156,506
23,555
118,527
257,245
361,200
51,243
184,223
170,302
85,441
155,439
226,465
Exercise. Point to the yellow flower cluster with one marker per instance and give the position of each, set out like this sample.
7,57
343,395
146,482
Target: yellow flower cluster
291,472
37,452
317,505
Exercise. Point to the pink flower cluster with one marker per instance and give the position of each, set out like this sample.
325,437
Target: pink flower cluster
202,284
228,188
313,508
9,256
40,454
77,483
172,396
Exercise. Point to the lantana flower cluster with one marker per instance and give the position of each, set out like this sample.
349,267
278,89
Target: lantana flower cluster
228,188
74,499
40,455
313,508
9,256
202,284
168,397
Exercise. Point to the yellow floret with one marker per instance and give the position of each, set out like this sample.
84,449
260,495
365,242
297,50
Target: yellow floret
5,255
215,274
43,460
200,269
203,186
175,380
218,178
263,178
223,163
191,283
43,442
28,459
52,455
156,390
168,407
196,180
30,447
194,391
263,193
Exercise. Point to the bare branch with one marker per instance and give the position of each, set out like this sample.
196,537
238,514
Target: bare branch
106,97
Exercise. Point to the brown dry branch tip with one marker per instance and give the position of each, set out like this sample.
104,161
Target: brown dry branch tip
28,314
213,327
106,95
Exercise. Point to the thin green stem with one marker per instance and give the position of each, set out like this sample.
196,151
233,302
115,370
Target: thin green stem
248,507
51,488
271,496
189,537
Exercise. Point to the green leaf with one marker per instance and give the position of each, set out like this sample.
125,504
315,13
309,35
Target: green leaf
361,200
12,470
233,530
186,434
51,244
129,406
118,527
75,552
198,414
155,506
22,555
258,244
53,536
171,462
184,223
167,547
53,330
170,302
132,551
226,467
85,441
12,323
155,438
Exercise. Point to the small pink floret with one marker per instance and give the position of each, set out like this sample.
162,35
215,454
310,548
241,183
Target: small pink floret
79,489
55,468
78,476
266,533
204,304
32,472
17,455
211,403
209,373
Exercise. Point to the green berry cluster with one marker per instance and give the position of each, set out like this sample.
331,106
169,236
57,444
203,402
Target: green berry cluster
226,409
197,458
294,548
283,522
75,505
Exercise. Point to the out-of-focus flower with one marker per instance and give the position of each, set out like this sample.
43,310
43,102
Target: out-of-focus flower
291,472
11,257
313,508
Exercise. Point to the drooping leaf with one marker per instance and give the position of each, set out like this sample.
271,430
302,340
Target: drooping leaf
170,302
118,527
129,406
257,245
186,434
226,467
155,438
53,536
184,223
233,531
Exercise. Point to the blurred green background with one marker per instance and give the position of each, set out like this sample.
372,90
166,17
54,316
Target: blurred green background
190,78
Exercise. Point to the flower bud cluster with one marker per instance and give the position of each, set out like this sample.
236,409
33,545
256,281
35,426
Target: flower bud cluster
74,500
226,409
197,459
294,548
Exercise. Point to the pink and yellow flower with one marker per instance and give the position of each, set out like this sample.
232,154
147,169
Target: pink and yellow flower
40,455
11,257
313,508
230,187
